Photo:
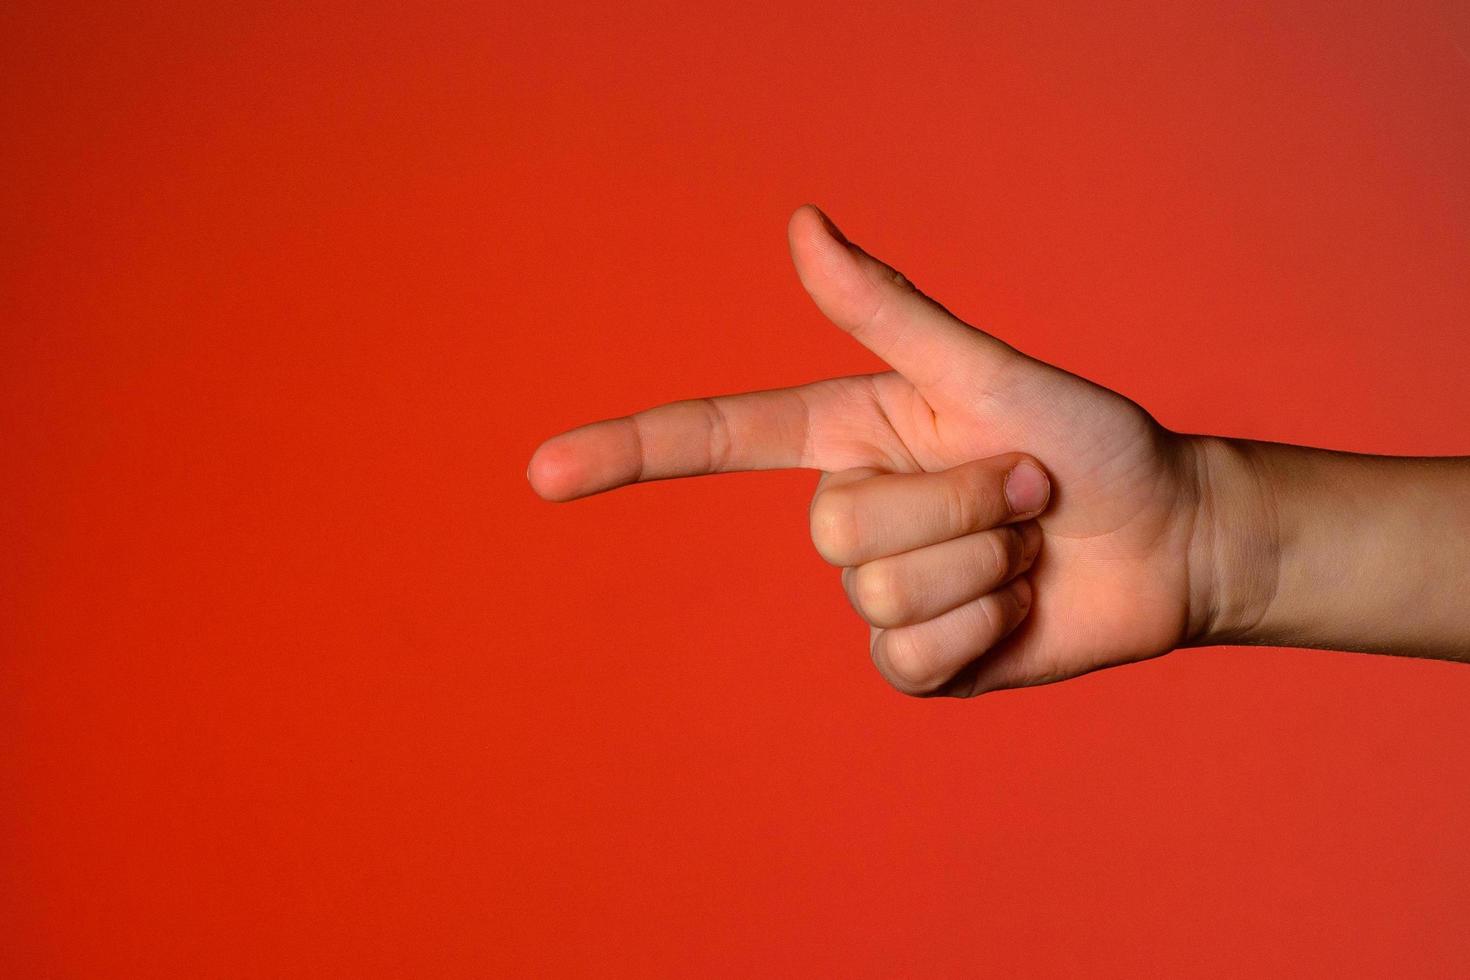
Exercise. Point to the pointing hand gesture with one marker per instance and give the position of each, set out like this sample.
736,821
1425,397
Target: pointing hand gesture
1000,522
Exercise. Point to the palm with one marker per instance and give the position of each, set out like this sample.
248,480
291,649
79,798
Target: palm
1111,582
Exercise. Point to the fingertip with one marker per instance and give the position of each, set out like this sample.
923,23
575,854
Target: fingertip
1024,593
829,268
564,468
1030,540
551,471
804,220
816,242
589,459
812,219
1027,488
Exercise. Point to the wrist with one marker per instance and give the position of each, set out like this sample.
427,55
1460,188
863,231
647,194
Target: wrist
1237,543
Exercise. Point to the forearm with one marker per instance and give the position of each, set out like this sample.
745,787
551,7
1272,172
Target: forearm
1312,548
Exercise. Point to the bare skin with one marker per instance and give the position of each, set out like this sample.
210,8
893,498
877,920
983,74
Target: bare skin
1133,541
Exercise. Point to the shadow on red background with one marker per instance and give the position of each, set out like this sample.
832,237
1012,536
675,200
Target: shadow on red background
299,678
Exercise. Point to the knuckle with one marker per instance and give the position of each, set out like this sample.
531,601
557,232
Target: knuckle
1021,593
960,504
1004,610
834,526
993,613
1005,549
719,440
908,666
879,595
1014,539
969,487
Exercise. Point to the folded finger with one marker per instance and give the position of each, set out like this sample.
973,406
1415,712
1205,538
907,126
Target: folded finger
918,585
857,521
920,659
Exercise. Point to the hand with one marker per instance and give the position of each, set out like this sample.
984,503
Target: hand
1122,569
931,563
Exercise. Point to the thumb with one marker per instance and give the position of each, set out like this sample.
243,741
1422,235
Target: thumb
869,299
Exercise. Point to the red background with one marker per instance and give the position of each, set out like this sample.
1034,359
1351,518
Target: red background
298,676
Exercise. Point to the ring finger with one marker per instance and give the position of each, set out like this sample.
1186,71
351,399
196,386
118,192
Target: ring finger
918,585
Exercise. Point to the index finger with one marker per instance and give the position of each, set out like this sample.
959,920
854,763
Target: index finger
757,430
